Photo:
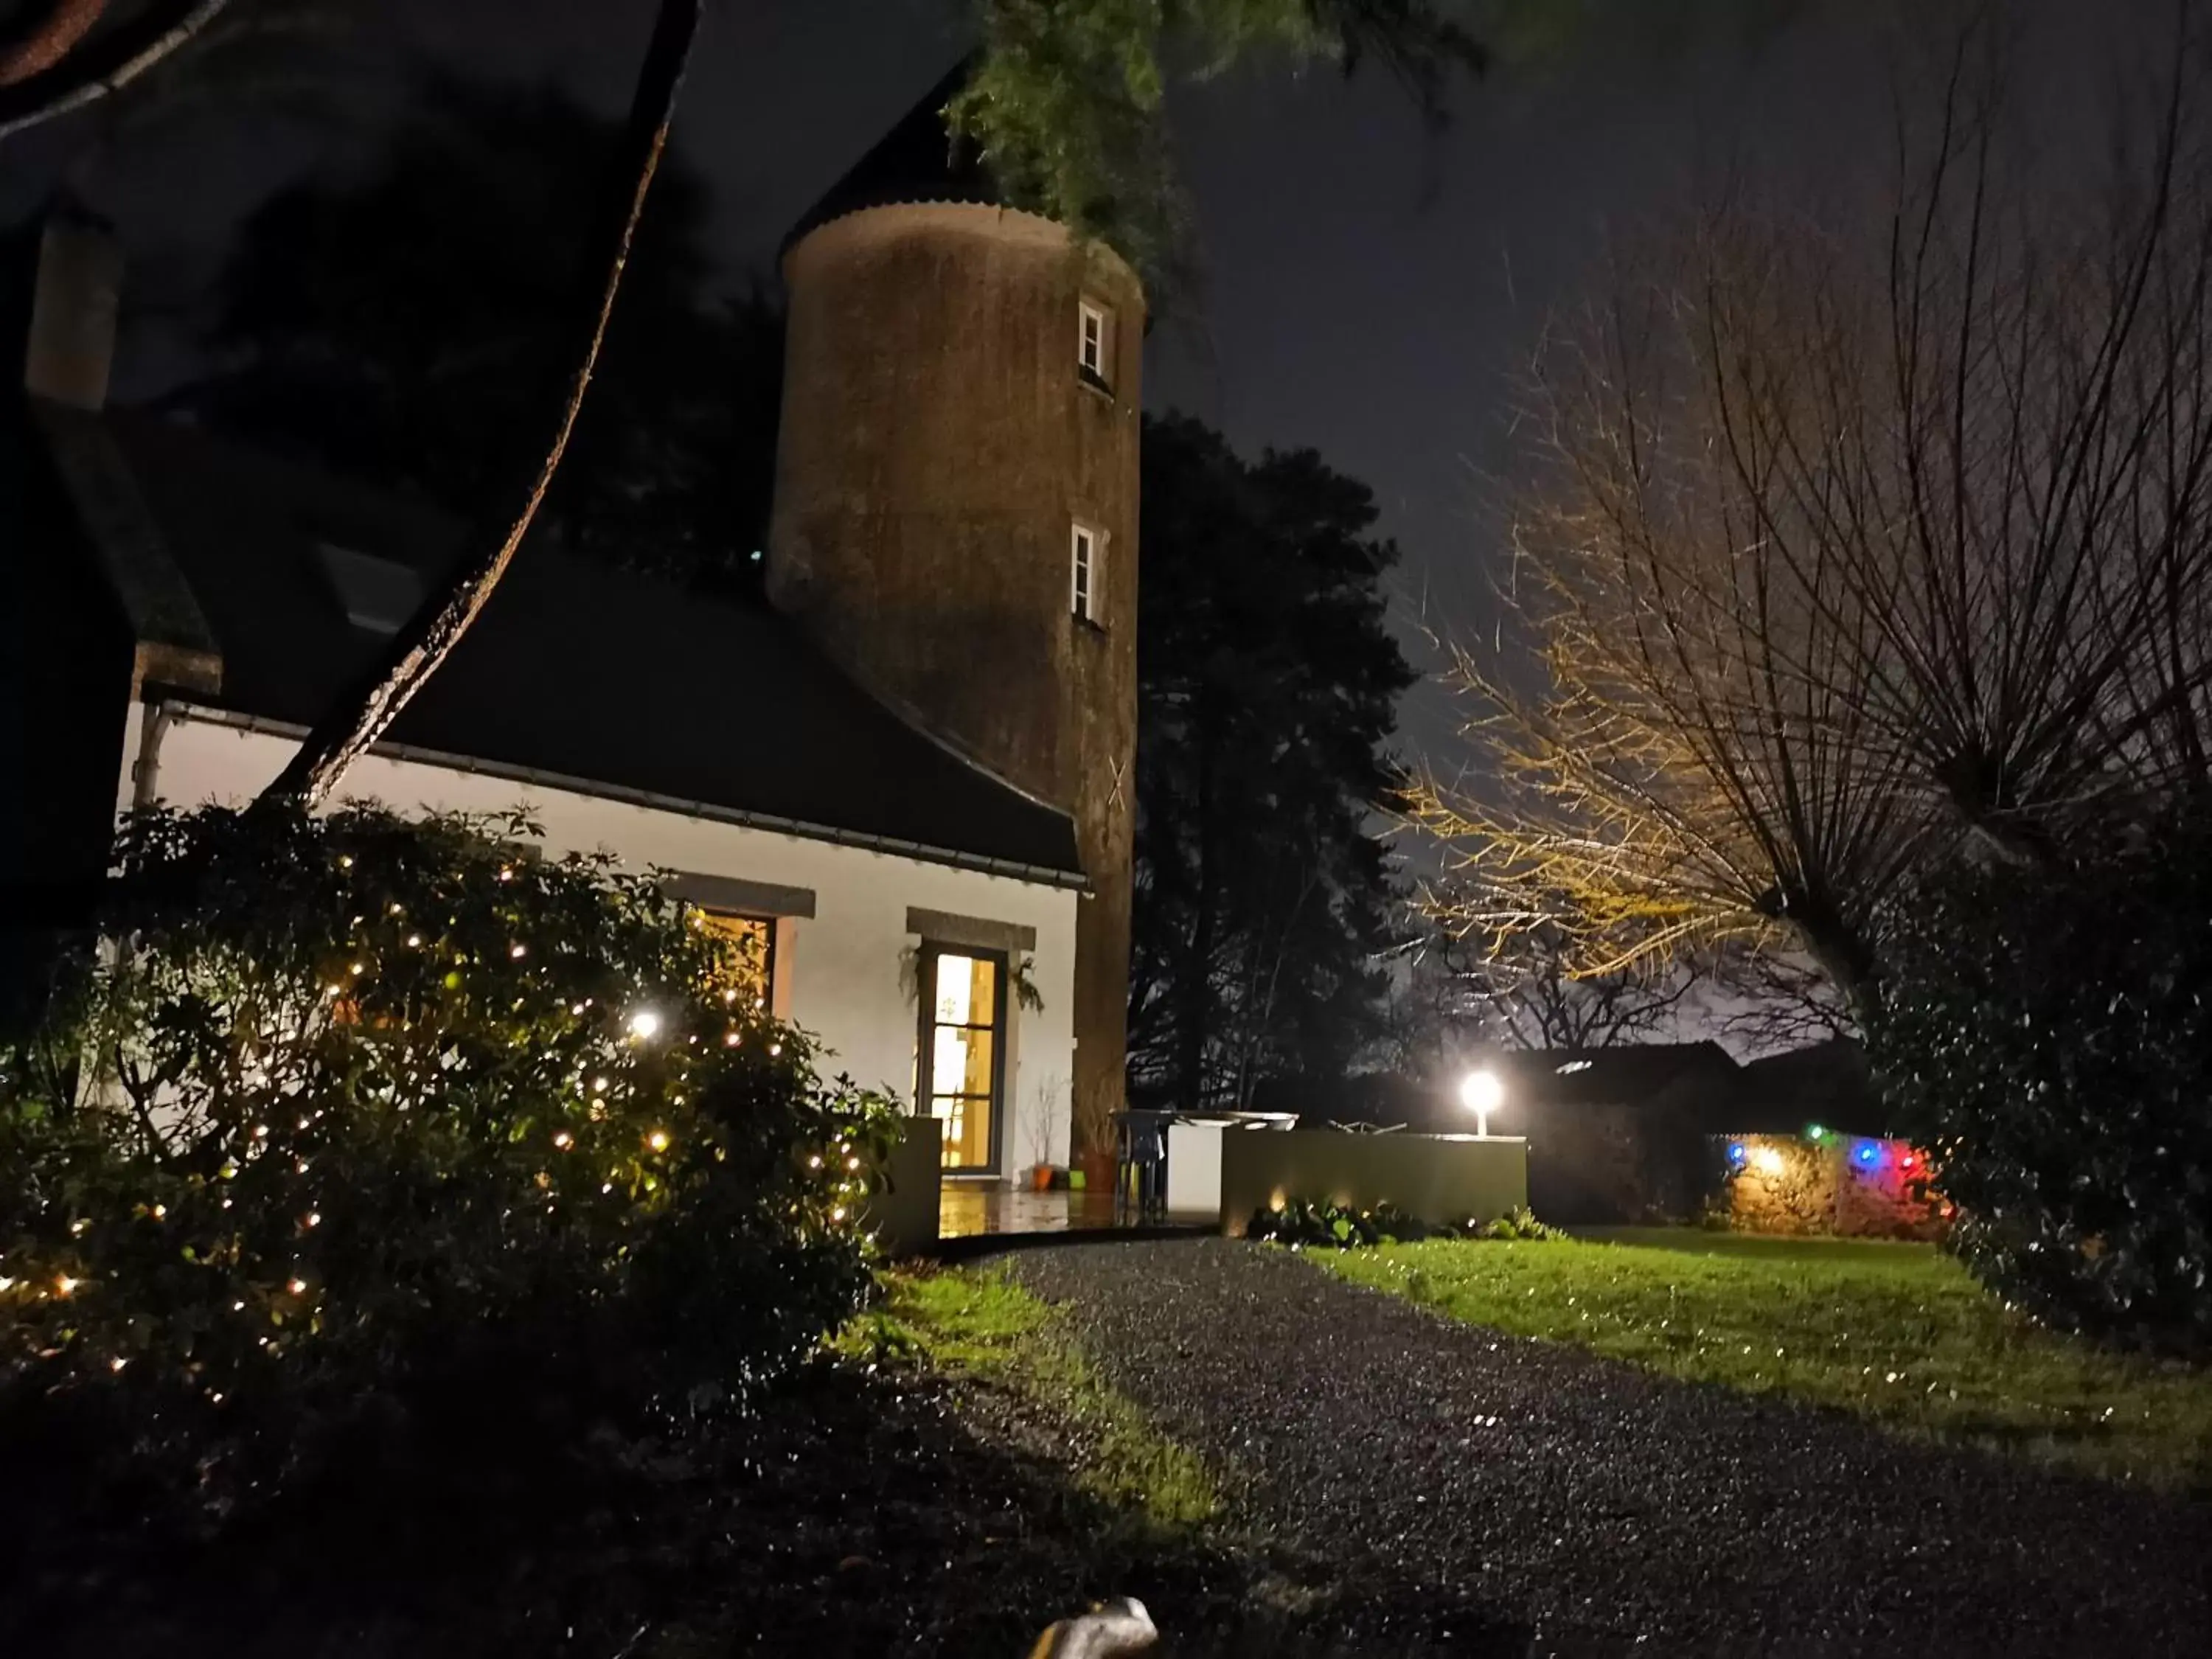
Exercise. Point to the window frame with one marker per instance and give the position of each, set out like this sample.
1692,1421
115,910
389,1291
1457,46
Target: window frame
931,952
1086,566
772,925
1099,374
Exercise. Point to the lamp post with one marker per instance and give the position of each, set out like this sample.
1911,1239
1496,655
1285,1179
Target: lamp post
1481,1092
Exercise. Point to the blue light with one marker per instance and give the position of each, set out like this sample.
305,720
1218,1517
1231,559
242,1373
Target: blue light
1869,1153
1736,1153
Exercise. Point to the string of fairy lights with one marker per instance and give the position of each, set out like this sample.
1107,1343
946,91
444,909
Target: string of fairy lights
631,1067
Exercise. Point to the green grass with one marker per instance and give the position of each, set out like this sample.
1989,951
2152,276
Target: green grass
980,1327
1895,1333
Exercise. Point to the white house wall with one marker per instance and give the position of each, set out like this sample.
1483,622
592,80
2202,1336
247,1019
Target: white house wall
845,967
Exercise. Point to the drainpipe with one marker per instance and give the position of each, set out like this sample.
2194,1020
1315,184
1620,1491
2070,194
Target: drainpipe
153,718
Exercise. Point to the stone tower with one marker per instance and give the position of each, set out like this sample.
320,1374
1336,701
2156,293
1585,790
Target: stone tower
955,504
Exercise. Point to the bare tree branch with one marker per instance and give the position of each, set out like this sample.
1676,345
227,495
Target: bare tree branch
88,73
55,36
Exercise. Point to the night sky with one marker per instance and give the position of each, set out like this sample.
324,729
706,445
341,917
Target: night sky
1368,288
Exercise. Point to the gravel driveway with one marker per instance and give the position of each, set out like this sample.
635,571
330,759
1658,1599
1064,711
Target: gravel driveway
1606,1508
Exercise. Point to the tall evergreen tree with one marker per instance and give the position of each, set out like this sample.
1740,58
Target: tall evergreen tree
1267,695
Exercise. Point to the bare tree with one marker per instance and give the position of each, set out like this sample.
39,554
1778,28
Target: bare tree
1857,539
1529,998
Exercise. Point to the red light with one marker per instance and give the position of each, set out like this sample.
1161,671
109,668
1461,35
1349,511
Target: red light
1909,1160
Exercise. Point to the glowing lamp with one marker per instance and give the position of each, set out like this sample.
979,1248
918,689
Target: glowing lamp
1481,1093
1867,1154
644,1023
1815,1131
1767,1161
1737,1152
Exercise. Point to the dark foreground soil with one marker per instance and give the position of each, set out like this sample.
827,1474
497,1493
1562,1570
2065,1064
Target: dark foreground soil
858,1515
1602,1508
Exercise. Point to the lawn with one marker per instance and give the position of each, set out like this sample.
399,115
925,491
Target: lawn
1895,1333
978,1327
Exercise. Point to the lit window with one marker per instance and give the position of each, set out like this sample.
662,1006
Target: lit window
1093,341
1086,558
963,1009
751,960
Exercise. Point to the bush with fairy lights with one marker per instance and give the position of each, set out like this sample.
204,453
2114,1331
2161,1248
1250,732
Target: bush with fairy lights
356,1112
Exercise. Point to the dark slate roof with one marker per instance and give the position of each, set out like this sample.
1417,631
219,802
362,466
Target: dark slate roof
1626,1074
574,672
1827,1083
917,161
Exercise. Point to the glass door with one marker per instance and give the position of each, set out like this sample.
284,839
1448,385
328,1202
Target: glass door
962,1027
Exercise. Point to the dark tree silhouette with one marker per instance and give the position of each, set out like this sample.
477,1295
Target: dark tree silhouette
362,715
1266,693
384,326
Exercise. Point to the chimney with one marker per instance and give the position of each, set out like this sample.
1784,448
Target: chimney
71,344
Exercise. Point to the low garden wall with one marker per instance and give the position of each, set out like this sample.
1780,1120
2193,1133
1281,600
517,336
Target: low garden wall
1439,1178
904,1217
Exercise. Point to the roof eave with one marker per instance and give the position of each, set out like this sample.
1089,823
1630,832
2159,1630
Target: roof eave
985,864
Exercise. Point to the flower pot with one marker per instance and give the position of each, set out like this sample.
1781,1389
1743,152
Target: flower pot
1041,1178
1098,1170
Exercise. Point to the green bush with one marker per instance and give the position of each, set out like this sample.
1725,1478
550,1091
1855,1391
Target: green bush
2046,1033
359,1117
1300,1222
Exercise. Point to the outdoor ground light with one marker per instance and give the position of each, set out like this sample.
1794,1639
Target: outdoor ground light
1481,1093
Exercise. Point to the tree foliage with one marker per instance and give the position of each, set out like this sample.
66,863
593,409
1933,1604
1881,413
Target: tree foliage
361,1114
1266,693
387,324
1065,100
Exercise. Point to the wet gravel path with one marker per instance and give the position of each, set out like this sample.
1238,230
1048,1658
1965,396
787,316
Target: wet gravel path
1606,1508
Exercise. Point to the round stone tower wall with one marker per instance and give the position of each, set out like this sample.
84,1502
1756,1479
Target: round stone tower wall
939,444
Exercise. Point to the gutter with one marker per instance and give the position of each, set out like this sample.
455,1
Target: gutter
1013,869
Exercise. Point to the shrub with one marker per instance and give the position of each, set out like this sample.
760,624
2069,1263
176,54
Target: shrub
2046,1033
1299,1222
362,1114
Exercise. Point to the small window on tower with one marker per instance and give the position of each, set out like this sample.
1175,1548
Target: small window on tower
1086,556
1093,342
